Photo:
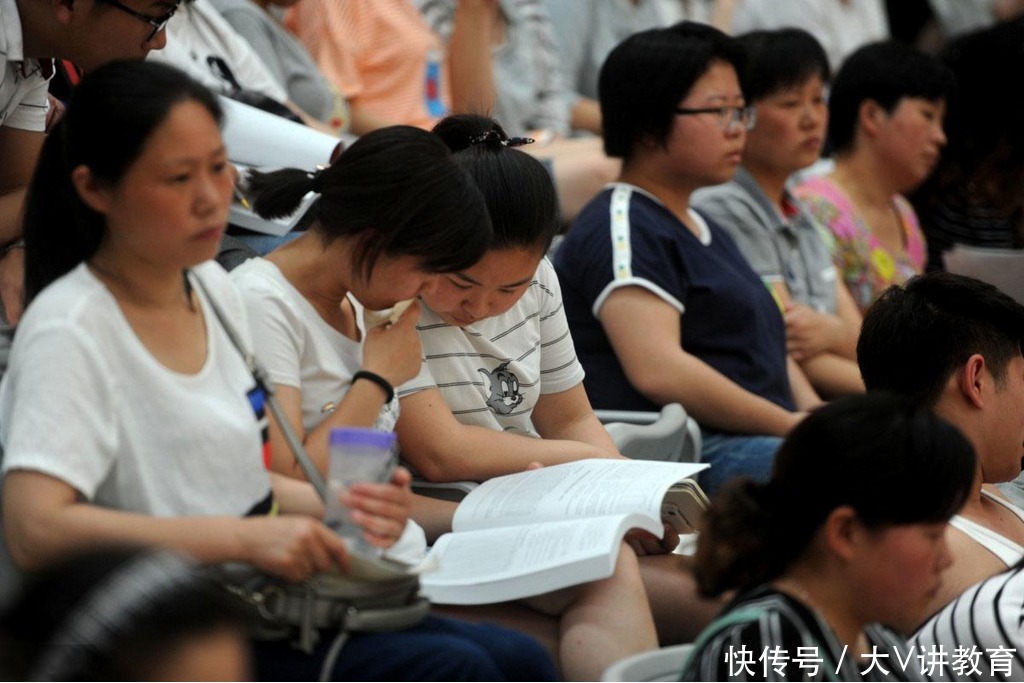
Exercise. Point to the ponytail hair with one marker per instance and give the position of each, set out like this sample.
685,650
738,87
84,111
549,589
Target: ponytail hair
892,463
518,189
110,116
398,191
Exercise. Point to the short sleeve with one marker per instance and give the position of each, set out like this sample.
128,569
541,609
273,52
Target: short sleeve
560,369
30,114
257,34
745,226
276,332
58,408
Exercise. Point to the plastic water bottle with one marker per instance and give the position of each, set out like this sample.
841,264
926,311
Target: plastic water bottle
356,455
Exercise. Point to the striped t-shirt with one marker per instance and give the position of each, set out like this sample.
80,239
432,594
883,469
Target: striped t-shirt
765,635
978,636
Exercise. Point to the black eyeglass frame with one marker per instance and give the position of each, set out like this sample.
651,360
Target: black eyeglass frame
158,23
738,114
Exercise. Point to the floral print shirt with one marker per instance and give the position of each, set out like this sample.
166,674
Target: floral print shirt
866,265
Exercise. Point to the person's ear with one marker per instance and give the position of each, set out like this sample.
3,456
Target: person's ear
870,117
64,9
971,378
96,196
841,531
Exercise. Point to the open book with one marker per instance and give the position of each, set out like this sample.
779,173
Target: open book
534,532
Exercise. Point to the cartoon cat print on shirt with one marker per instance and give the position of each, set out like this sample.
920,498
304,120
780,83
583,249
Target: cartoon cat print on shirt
505,396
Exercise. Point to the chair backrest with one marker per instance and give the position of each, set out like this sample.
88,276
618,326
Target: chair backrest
1003,268
672,435
453,491
663,664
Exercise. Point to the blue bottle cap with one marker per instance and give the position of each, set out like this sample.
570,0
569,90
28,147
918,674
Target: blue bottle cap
362,436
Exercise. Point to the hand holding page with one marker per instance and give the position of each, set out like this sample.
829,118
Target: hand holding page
534,532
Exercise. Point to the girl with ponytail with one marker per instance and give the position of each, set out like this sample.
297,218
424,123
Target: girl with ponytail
128,416
841,551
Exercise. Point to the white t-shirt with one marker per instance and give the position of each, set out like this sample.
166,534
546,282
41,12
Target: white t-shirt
23,102
492,372
84,401
197,34
299,349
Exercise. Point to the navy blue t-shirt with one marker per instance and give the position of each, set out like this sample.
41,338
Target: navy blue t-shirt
626,237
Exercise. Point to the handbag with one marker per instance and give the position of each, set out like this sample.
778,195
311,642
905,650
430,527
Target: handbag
376,594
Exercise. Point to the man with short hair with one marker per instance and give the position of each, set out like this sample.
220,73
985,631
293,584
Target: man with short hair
33,33
954,344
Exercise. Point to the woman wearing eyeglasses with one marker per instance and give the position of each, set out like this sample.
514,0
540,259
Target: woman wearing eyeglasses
662,305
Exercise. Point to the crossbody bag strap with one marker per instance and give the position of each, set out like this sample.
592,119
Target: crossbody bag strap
262,380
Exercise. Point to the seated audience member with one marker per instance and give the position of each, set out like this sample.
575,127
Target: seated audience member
390,65
585,33
499,369
954,344
205,46
662,305
784,78
842,26
978,636
287,59
834,552
123,614
157,438
373,242
35,33
886,107
975,196
500,386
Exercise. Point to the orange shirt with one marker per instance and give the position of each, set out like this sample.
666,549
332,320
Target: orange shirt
381,54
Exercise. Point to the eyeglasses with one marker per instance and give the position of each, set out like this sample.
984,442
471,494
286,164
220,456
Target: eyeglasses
158,23
729,118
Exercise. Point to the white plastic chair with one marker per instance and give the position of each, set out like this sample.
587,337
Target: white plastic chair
670,435
663,664
1003,268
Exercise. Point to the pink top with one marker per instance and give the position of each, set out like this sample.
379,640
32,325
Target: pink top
867,266
381,55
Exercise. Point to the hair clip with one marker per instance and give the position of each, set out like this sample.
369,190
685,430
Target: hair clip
490,137
316,179
518,142
495,137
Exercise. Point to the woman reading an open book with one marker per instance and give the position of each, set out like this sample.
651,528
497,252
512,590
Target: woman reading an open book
845,543
129,417
500,368
332,368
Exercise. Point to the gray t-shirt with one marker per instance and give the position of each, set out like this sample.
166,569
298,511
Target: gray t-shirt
287,59
779,248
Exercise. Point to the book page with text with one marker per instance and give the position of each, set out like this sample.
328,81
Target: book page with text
585,488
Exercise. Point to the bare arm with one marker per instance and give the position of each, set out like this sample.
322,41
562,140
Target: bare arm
586,115
832,375
804,395
393,352
19,150
45,519
568,415
471,73
443,449
658,366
